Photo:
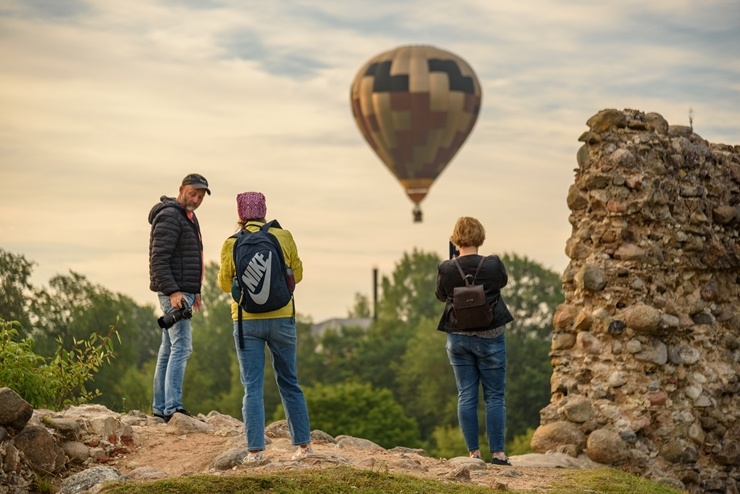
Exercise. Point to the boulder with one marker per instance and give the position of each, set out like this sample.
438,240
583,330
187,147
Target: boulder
15,412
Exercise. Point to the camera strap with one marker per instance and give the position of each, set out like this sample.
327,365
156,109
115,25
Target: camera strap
239,328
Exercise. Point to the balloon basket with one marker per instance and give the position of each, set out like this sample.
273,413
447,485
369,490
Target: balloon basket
417,215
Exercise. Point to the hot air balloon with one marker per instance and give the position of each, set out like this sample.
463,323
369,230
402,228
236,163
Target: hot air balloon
415,105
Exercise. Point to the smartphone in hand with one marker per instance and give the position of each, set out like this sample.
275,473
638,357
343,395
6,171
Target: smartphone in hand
453,251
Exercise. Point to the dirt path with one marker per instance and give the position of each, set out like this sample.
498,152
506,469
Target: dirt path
165,450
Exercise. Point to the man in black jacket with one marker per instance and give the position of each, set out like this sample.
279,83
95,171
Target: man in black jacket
176,274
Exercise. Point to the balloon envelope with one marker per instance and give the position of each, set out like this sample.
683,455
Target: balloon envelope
415,105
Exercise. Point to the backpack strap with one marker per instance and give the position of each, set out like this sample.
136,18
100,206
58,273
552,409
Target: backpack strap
266,227
279,248
273,238
271,224
468,279
480,265
233,248
239,325
465,277
241,294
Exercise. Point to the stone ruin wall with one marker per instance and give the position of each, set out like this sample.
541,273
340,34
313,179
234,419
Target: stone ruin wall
646,346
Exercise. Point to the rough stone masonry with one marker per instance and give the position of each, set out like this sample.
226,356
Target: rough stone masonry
646,346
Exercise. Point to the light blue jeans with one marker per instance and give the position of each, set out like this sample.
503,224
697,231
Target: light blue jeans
174,351
280,337
479,361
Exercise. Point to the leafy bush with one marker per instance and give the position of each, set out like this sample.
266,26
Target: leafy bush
449,442
21,369
55,382
520,445
359,410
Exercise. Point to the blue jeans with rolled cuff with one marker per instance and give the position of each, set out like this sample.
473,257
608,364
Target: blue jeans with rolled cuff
280,337
479,361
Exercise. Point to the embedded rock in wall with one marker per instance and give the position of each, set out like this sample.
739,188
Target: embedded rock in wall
646,346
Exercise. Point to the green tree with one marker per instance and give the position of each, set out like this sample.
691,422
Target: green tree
520,445
408,295
407,298
16,290
335,349
362,307
447,443
143,333
72,308
528,372
359,410
426,381
532,294
138,346
231,403
135,387
65,309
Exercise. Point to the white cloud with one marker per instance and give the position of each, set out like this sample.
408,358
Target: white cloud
107,105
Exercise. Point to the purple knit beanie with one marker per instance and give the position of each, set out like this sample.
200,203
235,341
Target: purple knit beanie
251,206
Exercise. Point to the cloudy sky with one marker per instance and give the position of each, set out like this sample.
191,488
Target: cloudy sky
106,104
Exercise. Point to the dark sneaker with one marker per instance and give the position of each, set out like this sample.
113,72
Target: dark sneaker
499,461
166,418
183,411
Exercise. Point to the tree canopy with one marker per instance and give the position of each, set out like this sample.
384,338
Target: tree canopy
390,382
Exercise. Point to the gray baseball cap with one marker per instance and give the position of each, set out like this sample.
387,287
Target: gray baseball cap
197,182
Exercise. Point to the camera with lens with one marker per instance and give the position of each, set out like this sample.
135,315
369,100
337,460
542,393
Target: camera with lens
174,315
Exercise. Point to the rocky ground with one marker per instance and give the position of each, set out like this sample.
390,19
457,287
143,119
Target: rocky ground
85,446
180,448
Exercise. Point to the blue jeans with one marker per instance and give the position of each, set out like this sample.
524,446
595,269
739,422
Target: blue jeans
478,361
174,351
280,336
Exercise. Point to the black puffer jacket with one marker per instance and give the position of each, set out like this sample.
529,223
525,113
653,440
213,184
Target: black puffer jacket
175,249
493,277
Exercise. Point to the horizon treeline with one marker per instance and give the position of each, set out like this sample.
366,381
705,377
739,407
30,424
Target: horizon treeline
390,383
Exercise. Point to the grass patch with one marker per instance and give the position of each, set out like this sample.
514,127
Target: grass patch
609,481
334,480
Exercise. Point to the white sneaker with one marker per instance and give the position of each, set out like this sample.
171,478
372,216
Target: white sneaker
253,457
302,453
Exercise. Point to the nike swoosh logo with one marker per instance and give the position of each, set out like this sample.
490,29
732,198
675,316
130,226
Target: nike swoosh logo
261,297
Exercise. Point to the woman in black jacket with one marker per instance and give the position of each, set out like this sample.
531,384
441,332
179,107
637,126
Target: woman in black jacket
477,355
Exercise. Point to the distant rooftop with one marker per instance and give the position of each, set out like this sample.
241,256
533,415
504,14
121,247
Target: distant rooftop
338,323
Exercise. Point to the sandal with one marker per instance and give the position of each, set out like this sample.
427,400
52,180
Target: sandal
475,455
